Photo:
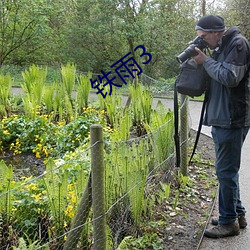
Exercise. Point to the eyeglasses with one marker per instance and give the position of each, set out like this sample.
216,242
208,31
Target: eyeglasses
203,36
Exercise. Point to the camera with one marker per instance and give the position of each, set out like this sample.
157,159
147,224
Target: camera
190,51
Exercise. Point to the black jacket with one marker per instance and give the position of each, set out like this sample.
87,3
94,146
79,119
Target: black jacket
229,90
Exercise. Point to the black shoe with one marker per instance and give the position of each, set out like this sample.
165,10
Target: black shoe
241,219
221,231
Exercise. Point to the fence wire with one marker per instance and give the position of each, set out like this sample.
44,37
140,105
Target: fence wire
40,211
44,210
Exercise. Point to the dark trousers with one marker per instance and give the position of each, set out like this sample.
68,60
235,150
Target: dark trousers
228,145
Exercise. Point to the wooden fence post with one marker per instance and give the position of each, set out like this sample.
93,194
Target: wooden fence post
80,218
98,195
184,135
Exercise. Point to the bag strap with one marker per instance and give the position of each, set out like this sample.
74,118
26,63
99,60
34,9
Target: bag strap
199,127
176,126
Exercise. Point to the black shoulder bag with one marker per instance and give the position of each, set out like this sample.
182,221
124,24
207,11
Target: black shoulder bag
191,81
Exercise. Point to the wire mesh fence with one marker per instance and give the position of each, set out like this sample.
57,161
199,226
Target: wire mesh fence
56,209
45,211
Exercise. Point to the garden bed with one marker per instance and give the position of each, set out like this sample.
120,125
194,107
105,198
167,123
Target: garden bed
179,221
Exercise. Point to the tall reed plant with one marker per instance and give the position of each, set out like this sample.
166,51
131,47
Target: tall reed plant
5,90
141,103
122,130
68,74
64,184
160,131
34,80
6,184
112,104
126,172
62,106
56,185
83,91
48,98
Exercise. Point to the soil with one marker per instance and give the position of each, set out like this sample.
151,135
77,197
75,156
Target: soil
186,223
25,164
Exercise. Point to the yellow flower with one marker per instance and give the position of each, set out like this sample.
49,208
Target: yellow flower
14,209
16,152
38,156
45,151
73,199
6,132
31,187
37,196
69,211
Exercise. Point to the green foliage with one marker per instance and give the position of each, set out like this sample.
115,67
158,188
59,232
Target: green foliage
147,241
184,181
123,124
161,126
23,28
141,104
22,134
62,99
15,71
123,26
30,206
127,160
83,91
5,90
68,74
50,200
29,245
48,98
57,188
43,137
126,173
164,191
33,85
95,34
112,105
6,184
176,199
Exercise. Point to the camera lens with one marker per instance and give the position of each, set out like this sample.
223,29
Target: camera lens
190,50
187,53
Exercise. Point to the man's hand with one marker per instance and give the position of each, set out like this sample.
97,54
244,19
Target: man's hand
200,58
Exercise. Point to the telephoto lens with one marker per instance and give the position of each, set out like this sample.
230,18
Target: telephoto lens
190,51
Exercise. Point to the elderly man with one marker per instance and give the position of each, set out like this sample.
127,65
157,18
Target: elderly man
228,112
